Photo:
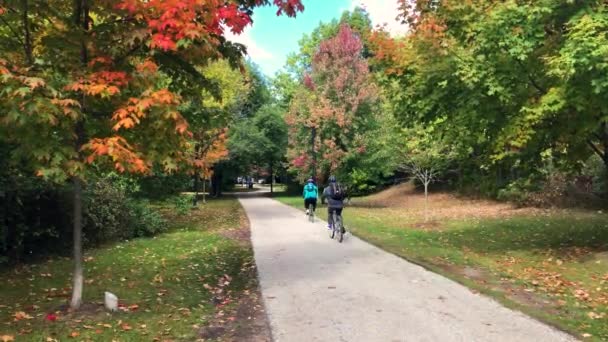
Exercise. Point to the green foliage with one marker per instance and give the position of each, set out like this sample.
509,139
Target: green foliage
503,82
112,215
145,221
182,204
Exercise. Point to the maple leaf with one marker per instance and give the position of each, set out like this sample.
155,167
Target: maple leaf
34,82
51,317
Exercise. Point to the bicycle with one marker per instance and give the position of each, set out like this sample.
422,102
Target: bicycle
311,212
337,228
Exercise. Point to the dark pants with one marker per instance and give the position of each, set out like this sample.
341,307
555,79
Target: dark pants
330,216
312,201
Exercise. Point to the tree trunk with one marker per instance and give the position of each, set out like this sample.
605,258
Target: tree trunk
81,19
27,44
196,180
204,194
426,201
271,179
78,276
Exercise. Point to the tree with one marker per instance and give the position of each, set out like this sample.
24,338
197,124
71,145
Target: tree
273,139
508,80
425,158
103,82
335,105
211,114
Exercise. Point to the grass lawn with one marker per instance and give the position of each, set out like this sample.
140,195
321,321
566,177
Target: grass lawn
171,287
552,264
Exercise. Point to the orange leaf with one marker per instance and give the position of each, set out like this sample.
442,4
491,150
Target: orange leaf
74,334
7,338
126,327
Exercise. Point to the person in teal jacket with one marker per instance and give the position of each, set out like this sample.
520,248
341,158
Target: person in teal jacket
310,193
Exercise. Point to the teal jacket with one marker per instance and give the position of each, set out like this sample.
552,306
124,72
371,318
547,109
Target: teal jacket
310,191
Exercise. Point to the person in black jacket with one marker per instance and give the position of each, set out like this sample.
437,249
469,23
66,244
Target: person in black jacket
335,195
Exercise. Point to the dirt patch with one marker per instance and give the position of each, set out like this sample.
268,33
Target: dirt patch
468,272
516,294
411,202
430,225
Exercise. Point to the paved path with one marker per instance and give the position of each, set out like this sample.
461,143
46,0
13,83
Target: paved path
318,290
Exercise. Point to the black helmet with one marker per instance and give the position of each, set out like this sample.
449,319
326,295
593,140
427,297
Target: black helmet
332,179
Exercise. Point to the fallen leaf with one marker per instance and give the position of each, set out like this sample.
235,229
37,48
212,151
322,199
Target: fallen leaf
586,335
21,315
7,338
74,334
126,327
50,317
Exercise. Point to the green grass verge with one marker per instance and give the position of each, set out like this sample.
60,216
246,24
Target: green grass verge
169,285
553,266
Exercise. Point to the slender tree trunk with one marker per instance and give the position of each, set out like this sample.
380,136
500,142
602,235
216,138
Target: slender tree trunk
27,43
78,276
81,18
204,194
196,180
313,137
426,201
271,178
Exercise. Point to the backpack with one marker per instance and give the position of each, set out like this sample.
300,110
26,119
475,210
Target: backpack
336,192
310,188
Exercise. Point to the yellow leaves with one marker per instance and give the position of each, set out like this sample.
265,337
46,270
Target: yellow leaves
594,315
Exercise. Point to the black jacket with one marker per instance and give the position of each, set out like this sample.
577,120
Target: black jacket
332,203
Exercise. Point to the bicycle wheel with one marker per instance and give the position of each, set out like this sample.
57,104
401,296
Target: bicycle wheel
311,213
332,231
338,227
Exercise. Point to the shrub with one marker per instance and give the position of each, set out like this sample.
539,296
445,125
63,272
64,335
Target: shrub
112,215
182,204
106,213
144,221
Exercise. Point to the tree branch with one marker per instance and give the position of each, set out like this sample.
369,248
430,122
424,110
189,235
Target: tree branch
596,149
17,36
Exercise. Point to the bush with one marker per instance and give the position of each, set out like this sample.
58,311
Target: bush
144,220
183,204
106,215
112,215
594,176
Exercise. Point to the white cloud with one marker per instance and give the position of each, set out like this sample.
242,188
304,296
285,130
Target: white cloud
254,51
383,12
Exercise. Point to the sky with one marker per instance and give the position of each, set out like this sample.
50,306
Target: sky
270,39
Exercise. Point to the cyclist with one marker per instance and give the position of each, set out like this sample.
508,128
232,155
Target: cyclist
310,193
335,195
